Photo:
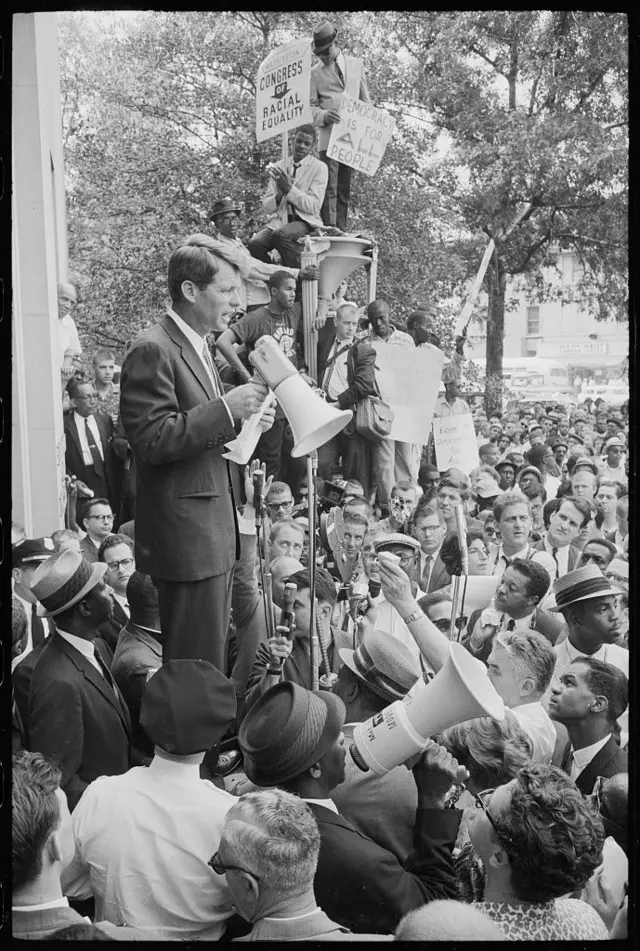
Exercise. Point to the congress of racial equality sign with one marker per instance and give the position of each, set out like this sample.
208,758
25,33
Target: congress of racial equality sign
361,136
282,90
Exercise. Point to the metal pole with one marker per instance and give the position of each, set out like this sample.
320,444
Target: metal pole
373,274
309,312
312,468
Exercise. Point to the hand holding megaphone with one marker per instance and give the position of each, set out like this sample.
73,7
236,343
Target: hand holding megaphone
435,771
243,401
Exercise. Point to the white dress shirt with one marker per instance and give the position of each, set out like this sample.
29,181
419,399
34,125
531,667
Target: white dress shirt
198,343
423,557
82,435
86,648
582,758
124,604
499,561
327,803
334,381
143,841
562,555
538,725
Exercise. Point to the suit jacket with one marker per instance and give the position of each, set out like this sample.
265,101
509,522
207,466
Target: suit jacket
74,460
76,716
440,577
137,653
361,370
363,887
607,762
574,553
186,522
318,926
110,630
543,622
41,924
88,550
326,90
306,195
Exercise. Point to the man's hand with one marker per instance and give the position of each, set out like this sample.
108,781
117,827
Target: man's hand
435,773
310,273
267,419
84,492
395,582
460,342
67,373
248,480
283,181
244,401
71,485
331,116
280,647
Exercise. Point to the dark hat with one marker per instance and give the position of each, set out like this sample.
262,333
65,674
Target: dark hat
32,551
583,462
576,438
615,420
222,206
186,706
580,585
323,36
557,443
385,664
534,426
533,470
287,730
63,580
505,462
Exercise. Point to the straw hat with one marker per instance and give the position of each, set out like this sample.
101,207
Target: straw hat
581,584
63,580
384,664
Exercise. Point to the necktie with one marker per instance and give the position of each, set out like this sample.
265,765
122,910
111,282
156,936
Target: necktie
426,572
339,72
106,673
38,633
296,166
329,371
98,465
554,555
209,364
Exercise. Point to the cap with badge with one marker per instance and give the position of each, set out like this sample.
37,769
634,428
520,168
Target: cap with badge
187,706
32,551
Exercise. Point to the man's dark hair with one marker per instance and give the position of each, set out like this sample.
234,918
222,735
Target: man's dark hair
278,278
142,594
325,585
193,261
430,600
582,505
75,383
605,680
484,449
307,129
538,578
534,491
550,507
35,812
111,542
90,504
604,543
425,470
377,307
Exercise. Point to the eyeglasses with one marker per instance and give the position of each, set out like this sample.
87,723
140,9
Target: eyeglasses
123,563
280,505
481,800
220,868
101,518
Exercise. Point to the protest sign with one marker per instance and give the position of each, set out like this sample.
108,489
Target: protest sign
282,90
361,136
408,379
455,442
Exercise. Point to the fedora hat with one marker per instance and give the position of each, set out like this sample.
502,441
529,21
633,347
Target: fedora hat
384,664
323,36
222,206
187,706
581,584
287,730
32,551
63,580
584,462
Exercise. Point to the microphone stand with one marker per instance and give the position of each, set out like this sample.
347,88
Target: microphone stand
461,531
312,469
263,552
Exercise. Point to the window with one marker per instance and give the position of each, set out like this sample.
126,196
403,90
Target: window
577,270
533,320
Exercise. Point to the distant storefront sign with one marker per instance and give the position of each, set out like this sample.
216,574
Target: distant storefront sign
594,346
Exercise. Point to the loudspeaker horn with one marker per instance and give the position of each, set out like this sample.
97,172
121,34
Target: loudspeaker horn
461,690
313,421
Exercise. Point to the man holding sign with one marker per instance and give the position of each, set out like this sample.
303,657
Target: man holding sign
334,75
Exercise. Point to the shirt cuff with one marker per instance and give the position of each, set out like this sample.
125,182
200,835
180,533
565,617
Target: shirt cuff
231,419
246,526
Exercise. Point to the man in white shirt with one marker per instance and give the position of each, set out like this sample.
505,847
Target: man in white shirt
89,454
117,553
512,512
589,699
68,339
564,527
143,840
520,667
612,464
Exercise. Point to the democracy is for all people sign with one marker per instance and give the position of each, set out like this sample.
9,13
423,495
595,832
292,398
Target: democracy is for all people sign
282,90
361,136
455,442
408,379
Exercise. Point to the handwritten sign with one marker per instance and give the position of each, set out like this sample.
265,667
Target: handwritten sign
282,90
408,379
361,136
455,442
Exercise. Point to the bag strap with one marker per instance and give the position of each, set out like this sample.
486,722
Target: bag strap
337,354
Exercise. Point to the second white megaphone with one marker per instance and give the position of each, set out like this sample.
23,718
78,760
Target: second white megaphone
313,422
461,690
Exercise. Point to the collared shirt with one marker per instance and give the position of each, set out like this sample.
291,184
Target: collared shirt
499,561
334,381
327,803
86,648
395,338
538,726
444,409
198,343
61,902
143,841
124,604
582,758
423,557
82,435
562,555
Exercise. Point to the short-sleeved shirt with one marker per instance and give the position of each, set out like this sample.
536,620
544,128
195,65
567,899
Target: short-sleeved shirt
284,327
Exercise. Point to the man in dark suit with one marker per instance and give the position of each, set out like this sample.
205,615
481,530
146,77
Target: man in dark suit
89,451
588,700
76,712
292,738
428,528
177,420
347,375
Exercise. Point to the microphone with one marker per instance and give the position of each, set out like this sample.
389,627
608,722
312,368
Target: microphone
357,595
258,485
288,616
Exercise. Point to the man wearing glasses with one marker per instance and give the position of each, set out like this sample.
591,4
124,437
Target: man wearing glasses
117,553
98,524
279,502
89,453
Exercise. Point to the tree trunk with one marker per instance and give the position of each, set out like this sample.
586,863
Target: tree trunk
497,281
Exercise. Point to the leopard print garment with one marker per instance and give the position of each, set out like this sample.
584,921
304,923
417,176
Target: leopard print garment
565,919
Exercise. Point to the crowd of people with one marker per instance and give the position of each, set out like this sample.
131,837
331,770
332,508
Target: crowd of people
195,653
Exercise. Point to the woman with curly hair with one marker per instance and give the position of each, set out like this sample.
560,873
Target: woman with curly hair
539,840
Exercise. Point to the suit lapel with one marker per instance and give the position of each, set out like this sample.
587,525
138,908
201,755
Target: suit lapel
94,677
72,430
586,780
190,357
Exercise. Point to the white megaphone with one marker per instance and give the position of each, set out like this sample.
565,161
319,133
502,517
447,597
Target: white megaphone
461,690
312,421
